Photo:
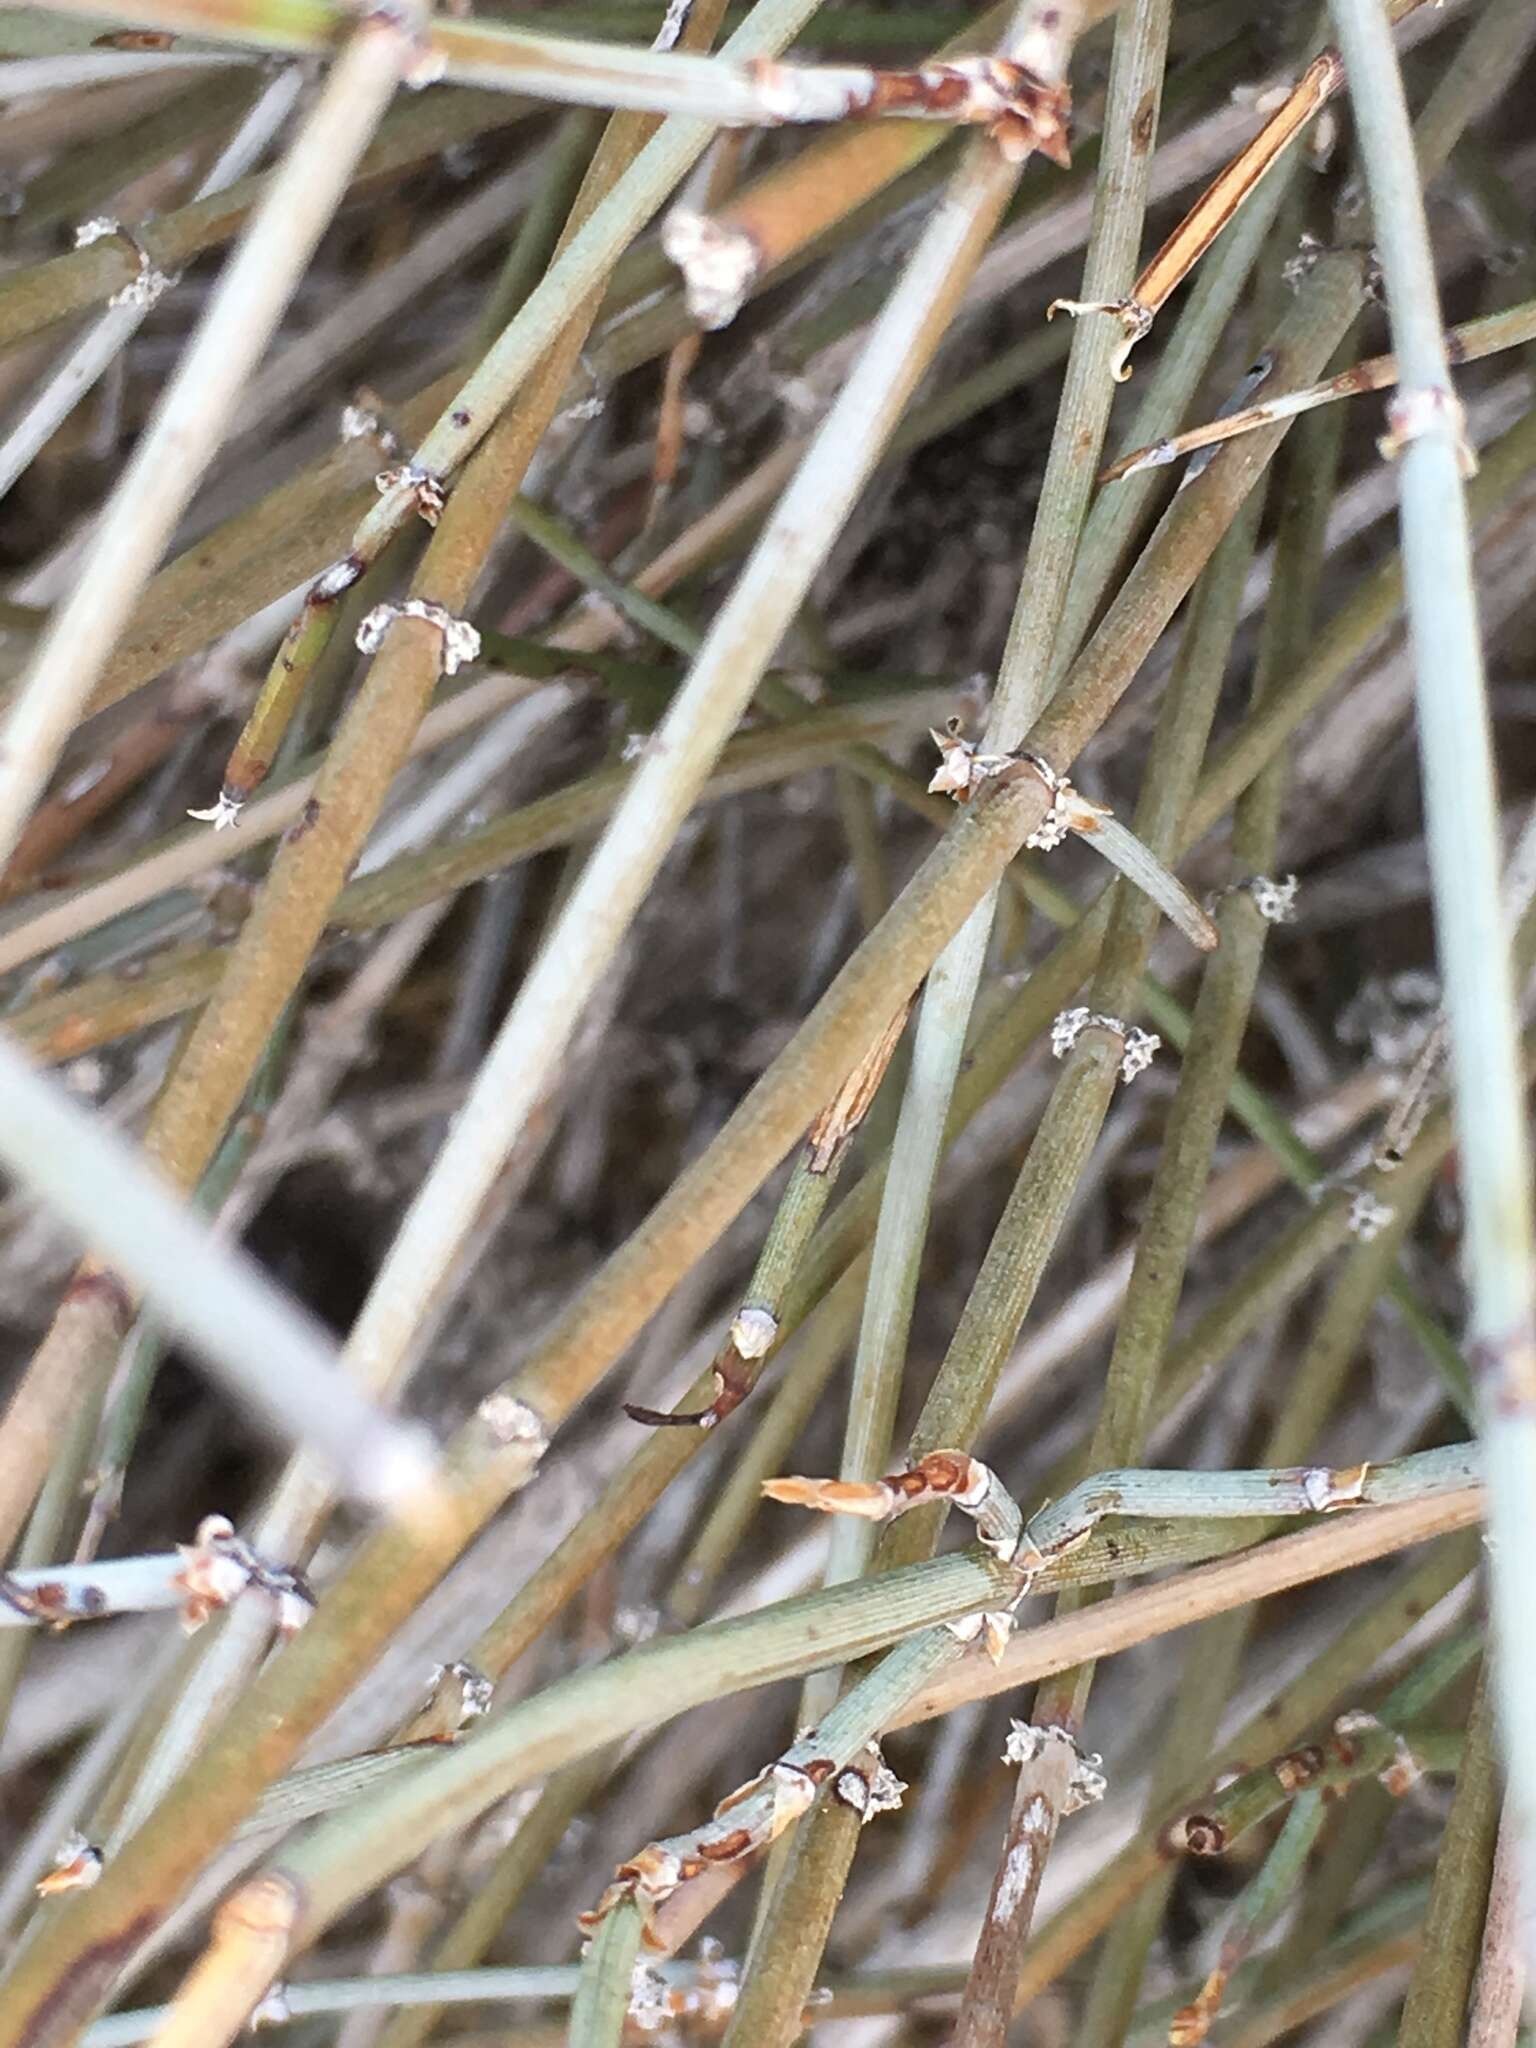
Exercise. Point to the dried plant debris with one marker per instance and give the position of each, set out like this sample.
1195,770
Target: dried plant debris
732,736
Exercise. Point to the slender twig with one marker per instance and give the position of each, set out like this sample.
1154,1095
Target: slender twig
1468,343
1010,97
601,2004
1461,807
902,1225
1441,1987
1135,312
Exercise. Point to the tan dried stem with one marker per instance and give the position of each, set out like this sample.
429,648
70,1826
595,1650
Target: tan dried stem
250,1938
1216,206
1469,343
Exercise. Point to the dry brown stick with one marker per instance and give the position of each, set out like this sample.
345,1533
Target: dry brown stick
1466,344
93,789
1215,207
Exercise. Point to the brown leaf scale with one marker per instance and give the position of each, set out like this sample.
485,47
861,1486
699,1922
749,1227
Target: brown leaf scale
728,1847
936,92
1299,1767
945,1471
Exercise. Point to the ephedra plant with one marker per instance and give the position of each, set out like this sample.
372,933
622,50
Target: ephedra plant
754,759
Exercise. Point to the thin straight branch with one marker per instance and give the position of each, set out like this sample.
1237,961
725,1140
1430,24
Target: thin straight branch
1221,1015
601,2004
1007,96
1113,518
1461,806
1223,199
1435,2012
1469,343
420,1798
1184,723
949,997
162,474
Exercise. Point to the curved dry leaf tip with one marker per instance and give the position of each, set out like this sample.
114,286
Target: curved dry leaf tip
831,1496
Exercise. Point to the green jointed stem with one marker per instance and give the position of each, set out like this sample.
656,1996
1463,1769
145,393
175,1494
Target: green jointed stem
1462,826
601,2005
1435,2012
1325,1684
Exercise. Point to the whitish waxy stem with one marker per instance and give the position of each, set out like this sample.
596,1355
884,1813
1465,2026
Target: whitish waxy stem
1087,1784
1139,1046
461,643
197,1579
